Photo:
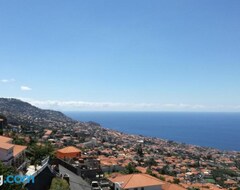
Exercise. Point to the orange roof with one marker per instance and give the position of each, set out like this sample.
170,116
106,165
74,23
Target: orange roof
5,139
207,186
141,169
136,180
48,132
229,181
109,162
170,186
6,146
18,149
69,149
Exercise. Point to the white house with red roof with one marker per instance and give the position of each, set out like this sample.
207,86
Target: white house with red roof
11,154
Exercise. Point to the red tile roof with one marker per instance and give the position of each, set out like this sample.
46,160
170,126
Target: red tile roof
136,180
170,186
18,149
6,146
5,139
69,149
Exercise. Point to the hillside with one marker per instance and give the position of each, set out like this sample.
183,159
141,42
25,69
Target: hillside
23,113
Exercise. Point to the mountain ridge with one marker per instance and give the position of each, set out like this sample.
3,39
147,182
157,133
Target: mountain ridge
23,113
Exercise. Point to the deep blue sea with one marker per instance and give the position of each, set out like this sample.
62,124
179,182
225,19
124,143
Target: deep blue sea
218,130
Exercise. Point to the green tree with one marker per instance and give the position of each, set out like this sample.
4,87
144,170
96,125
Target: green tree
167,170
19,141
162,178
4,119
193,188
149,172
150,162
5,171
140,151
3,124
176,181
59,184
130,169
39,152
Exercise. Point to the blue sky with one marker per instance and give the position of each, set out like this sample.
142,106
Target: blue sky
122,55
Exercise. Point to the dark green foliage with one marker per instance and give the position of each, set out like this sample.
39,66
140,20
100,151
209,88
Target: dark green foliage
193,188
5,171
151,162
149,172
176,181
140,151
59,184
237,162
166,170
2,124
162,178
130,169
17,140
223,173
4,119
39,152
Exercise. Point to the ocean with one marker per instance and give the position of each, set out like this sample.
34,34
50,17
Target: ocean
217,130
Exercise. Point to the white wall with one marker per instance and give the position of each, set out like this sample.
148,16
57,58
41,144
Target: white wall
117,186
112,168
6,154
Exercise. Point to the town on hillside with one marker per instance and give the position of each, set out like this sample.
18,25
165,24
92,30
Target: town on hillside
85,156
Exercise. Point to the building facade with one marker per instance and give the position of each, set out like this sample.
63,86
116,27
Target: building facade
11,154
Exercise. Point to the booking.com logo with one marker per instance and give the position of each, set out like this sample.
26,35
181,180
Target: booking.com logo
17,179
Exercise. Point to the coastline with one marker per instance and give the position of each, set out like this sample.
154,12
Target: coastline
177,132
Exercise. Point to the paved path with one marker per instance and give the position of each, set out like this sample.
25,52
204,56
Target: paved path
76,182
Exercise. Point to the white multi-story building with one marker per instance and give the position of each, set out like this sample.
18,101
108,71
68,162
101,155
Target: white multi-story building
11,154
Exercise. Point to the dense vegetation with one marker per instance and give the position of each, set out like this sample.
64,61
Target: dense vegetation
59,184
5,171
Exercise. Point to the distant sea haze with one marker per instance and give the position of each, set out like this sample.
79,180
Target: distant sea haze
217,130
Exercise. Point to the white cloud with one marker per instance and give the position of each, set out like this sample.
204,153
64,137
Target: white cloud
25,88
116,106
7,80
112,106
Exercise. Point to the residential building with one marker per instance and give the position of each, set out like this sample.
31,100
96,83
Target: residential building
11,154
68,152
136,182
